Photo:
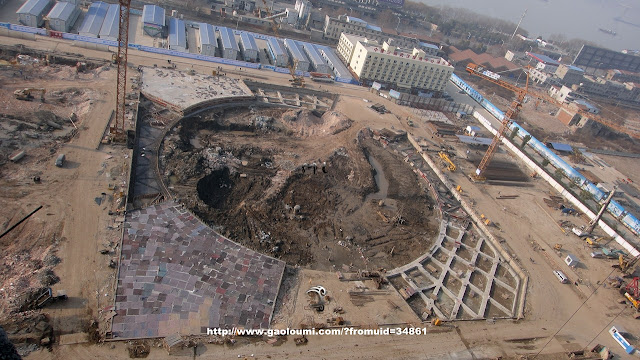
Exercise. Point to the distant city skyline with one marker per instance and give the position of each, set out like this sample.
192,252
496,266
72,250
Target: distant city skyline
581,19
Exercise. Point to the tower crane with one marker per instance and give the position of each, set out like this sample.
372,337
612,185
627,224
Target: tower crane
117,130
509,116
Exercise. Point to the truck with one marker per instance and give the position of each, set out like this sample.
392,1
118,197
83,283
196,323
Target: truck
60,160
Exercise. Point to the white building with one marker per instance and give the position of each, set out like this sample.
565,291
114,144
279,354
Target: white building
248,47
93,19
297,57
110,26
303,8
177,35
402,69
276,52
63,16
33,11
206,40
334,63
317,62
228,43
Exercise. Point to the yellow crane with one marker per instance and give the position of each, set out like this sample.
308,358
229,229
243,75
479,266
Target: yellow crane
509,116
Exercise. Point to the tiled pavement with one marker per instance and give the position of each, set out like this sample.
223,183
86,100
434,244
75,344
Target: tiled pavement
179,276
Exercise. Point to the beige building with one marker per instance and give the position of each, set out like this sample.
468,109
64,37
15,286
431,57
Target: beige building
402,69
333,28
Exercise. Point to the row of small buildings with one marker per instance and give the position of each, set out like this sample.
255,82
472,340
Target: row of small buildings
61,16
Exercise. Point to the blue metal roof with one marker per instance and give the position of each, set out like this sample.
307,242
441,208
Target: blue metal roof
228,39
373,27
111,23
93,20
274,44
313,54
207,35
295,50
544,59
575,68
177,33
62,11
474,140
424,44
153,14
355,19
248,42
33,7
561,146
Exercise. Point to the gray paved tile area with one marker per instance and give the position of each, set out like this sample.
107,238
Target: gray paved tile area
179,276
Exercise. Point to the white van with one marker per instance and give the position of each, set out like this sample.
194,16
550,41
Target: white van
560,275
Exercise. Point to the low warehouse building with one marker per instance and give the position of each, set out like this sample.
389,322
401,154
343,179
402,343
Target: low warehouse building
110,25
33,11
248,47
207,43
63,16
297,57
177,35
228,44
316,60
276,53
153,20
93,20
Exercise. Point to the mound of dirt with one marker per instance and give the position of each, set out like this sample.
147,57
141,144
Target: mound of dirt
304,123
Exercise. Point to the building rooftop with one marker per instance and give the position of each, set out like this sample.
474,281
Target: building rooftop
295,50
33,7
207,35
313,54
62,11
560,146
474,140
248,41
93,20
543,58
228,39
177,33
274,44
339,70
153,14
110,26
407,54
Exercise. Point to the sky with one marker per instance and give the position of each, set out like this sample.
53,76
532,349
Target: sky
573,18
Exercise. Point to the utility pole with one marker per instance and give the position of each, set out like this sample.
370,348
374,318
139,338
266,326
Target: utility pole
519,22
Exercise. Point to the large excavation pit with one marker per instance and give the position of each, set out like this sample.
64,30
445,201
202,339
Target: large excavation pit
299,185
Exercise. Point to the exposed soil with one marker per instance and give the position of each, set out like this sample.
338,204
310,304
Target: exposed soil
267,195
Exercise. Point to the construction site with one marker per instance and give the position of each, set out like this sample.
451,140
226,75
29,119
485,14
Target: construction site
142,209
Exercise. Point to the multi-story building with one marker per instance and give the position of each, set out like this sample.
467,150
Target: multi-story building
32,12
228,44
298,58
63,16
569,74
303,8
248,47
206,40
276,53
349,25
402,69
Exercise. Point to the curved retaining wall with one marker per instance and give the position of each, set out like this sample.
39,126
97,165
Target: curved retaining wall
478,222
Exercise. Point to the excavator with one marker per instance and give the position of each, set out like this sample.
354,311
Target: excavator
626,265
26,94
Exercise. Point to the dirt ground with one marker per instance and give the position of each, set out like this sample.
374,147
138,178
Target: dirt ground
263,195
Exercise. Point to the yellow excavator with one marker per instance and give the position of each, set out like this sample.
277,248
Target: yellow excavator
450,165
27,93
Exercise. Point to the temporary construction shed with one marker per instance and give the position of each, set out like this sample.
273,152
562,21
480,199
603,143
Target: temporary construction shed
317,62
177,35
110,25
93,20
207,43
297,57
153,20
276,53
248,47
63,16
33,11
228,43
571,260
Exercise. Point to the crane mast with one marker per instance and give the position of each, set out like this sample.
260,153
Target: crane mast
121,62
509,116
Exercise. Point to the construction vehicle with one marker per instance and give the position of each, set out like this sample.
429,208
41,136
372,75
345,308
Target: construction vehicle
296,80
625,264
40,298
450,165
27,93
509,116
632,294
